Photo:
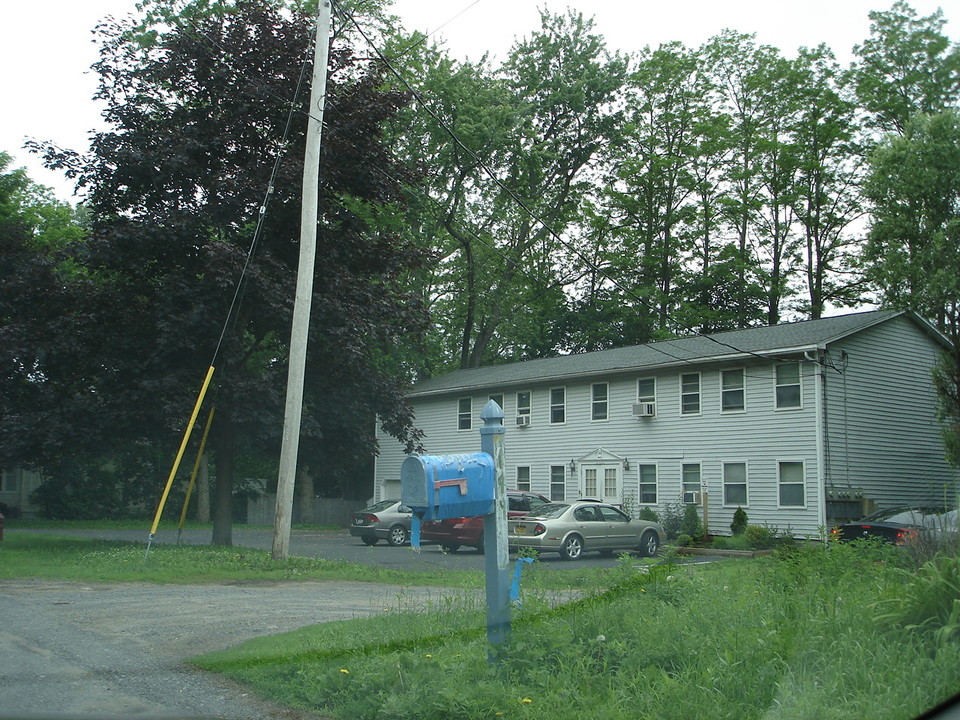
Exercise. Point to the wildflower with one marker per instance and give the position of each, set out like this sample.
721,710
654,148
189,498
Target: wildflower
526,700
601,638
428,655
344,671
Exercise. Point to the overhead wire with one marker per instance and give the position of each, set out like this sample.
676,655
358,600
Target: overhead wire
387,63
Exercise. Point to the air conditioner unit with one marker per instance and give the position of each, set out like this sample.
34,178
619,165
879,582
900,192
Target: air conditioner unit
691,497
644,409
523,421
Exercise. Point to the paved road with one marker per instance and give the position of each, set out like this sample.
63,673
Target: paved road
111,650
116,650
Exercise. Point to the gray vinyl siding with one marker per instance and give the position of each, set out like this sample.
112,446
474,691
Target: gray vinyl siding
873,428
886,403
759,436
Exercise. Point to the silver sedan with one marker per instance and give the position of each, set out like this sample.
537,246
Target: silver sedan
387,520
575,527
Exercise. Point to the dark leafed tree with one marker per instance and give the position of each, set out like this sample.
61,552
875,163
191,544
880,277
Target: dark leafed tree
197,104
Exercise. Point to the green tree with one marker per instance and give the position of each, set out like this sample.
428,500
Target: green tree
913,245
826,191
907,66
197,105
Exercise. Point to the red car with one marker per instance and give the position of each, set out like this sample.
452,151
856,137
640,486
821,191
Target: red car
454,532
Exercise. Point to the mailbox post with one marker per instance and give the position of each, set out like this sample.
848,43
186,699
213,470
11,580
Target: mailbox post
496,552
436,487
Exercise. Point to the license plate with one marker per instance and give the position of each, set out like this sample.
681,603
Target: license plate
521,529
358,522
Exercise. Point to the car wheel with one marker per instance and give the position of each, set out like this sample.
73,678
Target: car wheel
649,544
572,548
398,535
370,540
450,547
479,545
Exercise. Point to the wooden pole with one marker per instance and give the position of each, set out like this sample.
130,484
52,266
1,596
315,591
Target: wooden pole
301,310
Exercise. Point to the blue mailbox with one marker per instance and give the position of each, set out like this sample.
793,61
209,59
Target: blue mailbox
437,487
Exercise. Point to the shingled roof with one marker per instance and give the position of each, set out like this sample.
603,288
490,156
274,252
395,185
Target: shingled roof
764,341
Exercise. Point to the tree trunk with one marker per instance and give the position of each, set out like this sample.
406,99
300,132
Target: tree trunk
304,487
223,490
203,489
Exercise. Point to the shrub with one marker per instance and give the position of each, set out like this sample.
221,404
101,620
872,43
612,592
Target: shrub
648,513
671,517
739,523
684,540
760,537
929,600
691,524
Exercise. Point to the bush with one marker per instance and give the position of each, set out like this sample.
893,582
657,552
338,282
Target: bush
684,540
648,513
740,522
760,537
929,601
671,517
691,524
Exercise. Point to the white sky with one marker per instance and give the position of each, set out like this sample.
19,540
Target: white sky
46,46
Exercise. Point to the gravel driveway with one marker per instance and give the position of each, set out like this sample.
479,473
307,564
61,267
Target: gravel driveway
110,650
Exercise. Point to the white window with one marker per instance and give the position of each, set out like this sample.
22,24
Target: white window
498,399
464,413
558,405
690,393
691,477
788,385
523,403
647,390
648,484
790,477
735,484
598,404
590,482
558,483
523,477
732,397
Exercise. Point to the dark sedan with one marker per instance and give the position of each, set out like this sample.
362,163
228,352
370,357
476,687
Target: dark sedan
902,525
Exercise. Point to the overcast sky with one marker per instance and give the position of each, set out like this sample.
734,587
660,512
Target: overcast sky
46,46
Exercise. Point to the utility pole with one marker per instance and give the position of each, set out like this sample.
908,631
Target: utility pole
301,309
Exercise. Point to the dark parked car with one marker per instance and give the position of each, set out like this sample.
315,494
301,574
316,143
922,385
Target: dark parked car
903,525
386,520
453,533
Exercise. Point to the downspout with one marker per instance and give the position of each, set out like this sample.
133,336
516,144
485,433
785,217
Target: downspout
820,408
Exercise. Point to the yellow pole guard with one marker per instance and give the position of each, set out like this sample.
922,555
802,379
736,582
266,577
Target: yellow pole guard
196,466
183,446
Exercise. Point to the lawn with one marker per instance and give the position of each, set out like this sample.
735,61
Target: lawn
836,632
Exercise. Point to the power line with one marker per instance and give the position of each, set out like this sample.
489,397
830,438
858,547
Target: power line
522,205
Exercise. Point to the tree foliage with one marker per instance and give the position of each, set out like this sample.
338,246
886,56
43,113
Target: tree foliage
197,115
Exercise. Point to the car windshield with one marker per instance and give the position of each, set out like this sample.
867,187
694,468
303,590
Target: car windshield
903,515
550,510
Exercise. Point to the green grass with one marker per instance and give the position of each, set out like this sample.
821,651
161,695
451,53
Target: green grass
59,557
790,636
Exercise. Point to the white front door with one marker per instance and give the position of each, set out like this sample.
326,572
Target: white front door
601,482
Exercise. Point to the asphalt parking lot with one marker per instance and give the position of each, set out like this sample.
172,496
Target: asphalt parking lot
340,545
